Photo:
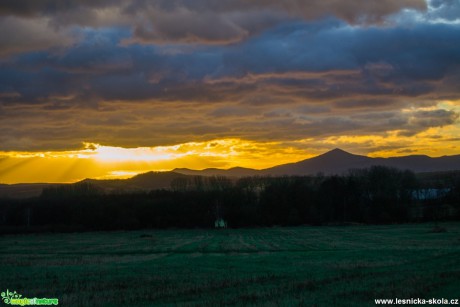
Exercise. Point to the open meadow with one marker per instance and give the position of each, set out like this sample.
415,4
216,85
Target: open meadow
323,266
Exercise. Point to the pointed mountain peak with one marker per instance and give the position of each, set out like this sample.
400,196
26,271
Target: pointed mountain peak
337,152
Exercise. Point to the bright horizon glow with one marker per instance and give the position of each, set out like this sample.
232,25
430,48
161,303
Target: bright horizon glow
133,88
102,161
108,154
112,162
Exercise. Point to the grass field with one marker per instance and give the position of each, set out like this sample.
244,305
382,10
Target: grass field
323,266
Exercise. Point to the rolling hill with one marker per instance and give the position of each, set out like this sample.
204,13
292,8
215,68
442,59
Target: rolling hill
336,161
142,182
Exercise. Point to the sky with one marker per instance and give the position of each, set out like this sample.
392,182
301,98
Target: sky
111,88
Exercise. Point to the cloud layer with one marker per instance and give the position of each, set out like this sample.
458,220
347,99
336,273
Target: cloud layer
149,73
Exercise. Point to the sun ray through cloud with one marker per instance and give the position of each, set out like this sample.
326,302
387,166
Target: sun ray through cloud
157,86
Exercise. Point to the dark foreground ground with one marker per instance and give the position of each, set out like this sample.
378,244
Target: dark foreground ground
323,266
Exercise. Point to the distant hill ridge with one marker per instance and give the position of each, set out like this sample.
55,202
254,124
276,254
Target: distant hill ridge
336,161
232,172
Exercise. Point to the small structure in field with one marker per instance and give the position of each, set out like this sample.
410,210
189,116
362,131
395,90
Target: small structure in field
220,223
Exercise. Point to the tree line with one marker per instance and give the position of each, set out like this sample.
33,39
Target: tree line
375,195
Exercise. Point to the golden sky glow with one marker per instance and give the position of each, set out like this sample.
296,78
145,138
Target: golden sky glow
108,162
97,161
112,88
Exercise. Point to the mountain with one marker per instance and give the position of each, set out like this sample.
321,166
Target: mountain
423,164
338,161
335,161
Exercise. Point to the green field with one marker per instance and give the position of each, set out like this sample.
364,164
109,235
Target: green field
323,266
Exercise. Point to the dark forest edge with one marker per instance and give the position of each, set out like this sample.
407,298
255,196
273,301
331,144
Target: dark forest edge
377,195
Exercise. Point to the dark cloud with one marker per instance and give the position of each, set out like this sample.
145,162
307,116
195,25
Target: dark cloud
232,111
434,118
361,102
23,35
49,7
189,21
261,70
310,61
316,8
444,10
138,124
